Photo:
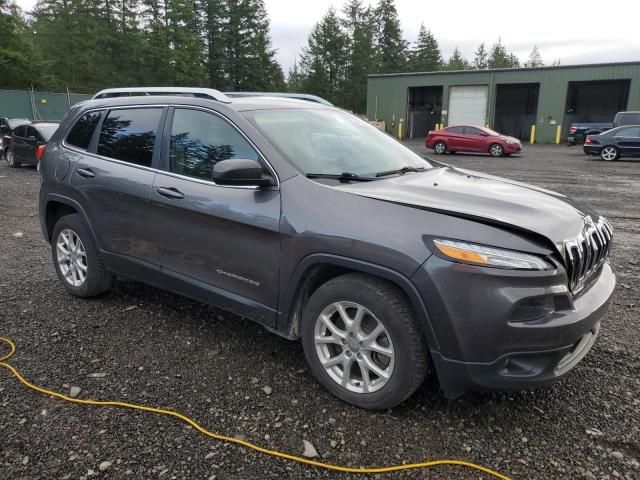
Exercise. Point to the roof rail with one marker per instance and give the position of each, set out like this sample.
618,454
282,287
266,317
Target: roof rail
297,96
185,91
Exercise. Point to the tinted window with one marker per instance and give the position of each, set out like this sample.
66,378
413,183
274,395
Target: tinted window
455,129
81,133
628,132
199,140
129,135
472,131
32,132
627,119
21,131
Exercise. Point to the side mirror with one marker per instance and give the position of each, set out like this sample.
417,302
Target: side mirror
240,172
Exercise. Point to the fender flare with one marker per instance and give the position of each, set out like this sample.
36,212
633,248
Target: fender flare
289,298
54,197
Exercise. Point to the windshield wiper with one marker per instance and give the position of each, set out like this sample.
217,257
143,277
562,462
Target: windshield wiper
342,177
401,171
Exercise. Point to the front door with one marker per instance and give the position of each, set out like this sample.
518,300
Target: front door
219,242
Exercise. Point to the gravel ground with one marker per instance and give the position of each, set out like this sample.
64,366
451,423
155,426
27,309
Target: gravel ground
158,349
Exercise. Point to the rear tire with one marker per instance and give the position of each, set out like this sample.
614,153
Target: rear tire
609,153
11,159
365,326
440,148
76,259
496,150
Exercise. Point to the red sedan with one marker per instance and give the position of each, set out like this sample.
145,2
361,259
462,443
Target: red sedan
467,138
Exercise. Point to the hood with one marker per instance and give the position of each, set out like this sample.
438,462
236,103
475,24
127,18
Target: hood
484,198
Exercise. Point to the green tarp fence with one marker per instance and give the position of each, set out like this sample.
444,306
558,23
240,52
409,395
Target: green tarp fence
37,105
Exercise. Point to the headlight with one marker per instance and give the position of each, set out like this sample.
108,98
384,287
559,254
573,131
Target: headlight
489,256
511,142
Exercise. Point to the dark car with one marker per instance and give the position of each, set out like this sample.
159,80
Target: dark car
26,143
578,132
615,143
470,138
7,125
320,227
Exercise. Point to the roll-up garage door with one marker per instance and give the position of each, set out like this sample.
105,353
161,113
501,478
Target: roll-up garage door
468,105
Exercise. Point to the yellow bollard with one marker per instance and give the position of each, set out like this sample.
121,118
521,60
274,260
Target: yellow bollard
400,125
532,140
558,134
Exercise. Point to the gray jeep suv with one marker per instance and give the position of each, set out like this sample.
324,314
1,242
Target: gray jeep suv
320,227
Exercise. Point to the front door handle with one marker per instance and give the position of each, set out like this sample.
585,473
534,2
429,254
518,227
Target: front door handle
85,172
170,192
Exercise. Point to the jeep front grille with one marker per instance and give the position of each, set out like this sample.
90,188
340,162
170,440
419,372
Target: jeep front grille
587,252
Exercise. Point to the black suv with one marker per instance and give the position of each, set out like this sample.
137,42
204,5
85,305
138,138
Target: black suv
315,224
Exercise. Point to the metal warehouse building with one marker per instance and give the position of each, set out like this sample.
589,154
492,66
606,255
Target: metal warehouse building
510,101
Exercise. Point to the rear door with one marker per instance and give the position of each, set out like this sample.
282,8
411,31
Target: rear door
455,138
628,140
114,174
218,241
28,152
18,143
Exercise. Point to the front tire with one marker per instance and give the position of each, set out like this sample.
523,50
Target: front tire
496,150
11,159
76,259
362,341
609,153
440,148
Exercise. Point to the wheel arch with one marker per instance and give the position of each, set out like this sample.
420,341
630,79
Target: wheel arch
317,269
56,207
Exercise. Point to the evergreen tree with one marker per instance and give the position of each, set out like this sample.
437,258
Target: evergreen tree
19,64
324,58
514,61
426,56
499,58
186,46
392,48
359,27
214,15
481,60
535,59
295,79
457,61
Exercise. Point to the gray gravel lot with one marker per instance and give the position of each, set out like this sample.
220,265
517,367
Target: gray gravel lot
158,349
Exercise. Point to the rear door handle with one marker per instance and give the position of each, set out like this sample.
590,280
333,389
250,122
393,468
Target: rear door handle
170,192
85,172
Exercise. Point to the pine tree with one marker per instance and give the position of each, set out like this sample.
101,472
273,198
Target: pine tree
514,61
295,79
359,26
392,48
20,66
535,59
457,61
324,58
481,59
499,58
426,56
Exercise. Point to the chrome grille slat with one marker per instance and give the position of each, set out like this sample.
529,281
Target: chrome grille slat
587,252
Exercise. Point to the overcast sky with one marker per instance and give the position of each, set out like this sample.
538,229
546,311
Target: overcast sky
574,32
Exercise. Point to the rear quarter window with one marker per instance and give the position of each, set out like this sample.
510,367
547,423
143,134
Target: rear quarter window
81,133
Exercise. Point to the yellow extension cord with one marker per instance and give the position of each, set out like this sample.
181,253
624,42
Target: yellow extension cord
224,438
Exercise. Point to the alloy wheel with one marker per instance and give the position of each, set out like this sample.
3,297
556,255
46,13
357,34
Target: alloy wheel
10,159
609,153
354,347
496,150
440,147
72,257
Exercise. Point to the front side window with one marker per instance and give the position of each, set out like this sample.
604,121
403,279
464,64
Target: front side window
81,133
332,142
199,140
129,135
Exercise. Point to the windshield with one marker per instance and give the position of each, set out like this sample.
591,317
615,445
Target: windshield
47,131
333,142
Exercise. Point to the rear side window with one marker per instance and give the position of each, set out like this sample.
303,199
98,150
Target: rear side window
199,140
20,131
628,132
81,133
455,129
129,135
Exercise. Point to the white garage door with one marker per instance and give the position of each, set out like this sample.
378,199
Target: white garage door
468,105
